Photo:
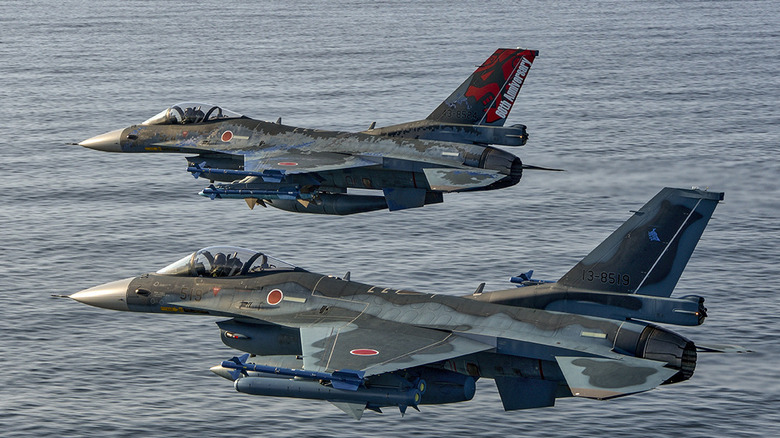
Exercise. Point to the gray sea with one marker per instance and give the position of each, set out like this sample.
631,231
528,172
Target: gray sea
627,96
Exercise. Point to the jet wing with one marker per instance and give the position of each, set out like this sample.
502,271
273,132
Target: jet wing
365,343
377,350
297,161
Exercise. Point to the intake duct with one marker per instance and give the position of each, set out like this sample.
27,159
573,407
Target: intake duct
260,339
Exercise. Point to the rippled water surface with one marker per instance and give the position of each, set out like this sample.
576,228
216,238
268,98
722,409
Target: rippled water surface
628,97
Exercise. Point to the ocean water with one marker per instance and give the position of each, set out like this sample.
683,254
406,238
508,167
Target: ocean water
627,96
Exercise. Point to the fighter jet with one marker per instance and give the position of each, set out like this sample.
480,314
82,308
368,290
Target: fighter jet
316,171
590,334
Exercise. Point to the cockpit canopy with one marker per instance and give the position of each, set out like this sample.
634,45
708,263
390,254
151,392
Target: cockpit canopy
191,112
225,261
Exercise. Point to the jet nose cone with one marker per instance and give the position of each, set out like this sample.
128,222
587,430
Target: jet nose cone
108,142
111,295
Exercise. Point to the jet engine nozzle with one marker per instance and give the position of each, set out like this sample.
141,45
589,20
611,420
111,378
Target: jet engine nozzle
502,162
659,344
662,345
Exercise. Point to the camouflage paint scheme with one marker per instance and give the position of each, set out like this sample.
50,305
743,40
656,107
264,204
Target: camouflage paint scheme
311,170
366,347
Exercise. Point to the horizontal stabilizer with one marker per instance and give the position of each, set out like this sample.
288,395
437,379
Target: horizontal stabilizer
451,180
602,378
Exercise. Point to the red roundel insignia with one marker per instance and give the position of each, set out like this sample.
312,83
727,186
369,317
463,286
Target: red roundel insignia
274,297
364,352
227,136
287,163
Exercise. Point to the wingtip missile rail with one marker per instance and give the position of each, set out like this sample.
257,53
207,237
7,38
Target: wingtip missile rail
268,175
349,380
220,192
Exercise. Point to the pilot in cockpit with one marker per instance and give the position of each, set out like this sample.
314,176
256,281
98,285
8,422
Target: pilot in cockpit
193,115
218,265
225,265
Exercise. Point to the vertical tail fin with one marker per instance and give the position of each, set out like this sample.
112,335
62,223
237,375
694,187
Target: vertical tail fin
487,96
647,254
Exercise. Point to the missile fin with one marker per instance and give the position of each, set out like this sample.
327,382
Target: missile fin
354,410
349,380
374,408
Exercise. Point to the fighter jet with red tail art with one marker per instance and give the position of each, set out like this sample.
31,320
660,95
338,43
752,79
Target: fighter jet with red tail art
316,171
592,334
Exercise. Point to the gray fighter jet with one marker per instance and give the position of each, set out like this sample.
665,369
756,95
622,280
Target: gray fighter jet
313,336
314,171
